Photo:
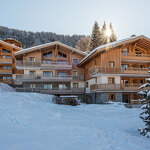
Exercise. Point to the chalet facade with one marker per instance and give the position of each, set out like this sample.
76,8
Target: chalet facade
7,61
50,68
112,71
115,71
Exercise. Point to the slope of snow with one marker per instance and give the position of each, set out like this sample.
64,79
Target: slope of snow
6,88
30,121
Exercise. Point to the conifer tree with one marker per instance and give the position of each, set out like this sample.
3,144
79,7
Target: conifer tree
145,115
103,38
113,36
95,37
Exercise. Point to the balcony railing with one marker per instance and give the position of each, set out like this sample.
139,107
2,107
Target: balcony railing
30,78
5,60
43,65
53,90
135,57
122,70
8,81
115,87
5,71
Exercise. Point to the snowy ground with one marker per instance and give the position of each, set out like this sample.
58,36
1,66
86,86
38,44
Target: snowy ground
30,121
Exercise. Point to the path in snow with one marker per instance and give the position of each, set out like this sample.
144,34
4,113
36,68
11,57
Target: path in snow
29,121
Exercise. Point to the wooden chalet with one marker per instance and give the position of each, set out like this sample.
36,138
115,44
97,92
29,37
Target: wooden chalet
7,61
115,71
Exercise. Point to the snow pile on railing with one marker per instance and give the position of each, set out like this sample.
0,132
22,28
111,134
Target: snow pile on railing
6,88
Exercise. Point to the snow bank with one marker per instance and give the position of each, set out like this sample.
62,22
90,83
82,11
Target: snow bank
6,88
29,121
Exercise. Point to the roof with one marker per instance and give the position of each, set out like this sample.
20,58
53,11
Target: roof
116,44
11,45
31,49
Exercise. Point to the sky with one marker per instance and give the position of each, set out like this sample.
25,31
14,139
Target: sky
70,17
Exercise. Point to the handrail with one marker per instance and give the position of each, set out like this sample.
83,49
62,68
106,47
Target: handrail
115,87
53,77
117,70
135,55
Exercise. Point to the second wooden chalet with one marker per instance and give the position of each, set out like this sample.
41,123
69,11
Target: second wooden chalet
115,71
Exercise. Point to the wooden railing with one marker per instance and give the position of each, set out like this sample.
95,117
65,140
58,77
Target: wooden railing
133,56
121,70
23,77
115,87
8,81
53,90
4,59
43,65
5,71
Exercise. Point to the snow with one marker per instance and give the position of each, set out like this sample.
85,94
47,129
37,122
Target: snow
5,87
30,121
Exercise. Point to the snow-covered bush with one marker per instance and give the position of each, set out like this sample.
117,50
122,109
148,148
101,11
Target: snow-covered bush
145,115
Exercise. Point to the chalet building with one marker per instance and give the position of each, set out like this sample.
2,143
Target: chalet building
115,71
7,62
50,68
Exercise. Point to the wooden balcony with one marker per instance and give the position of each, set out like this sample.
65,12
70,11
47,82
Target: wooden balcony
43,65
115,87
7,81
5,71
5,60
124,71
53,91
129,57
20,78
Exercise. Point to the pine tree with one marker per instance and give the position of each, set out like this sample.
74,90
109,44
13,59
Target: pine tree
145,115
113,36
95,37
103,38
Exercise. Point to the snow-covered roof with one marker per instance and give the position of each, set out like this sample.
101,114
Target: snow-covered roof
113,45
49,44
8,44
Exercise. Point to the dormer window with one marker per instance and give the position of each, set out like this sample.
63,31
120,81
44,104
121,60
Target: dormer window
61,55
6,51
47,54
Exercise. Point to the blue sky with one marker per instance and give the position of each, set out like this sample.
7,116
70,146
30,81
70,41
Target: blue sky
77,16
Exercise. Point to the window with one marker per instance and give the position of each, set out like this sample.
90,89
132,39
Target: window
62,86
47,54
7,67
111,80
32,59
137,51
112,97
62,61
124,81
32,86
75,85
47,73
75,61
6,51
47,86
61,55
75,73
111,64
62,73
47,61
141,81
124,66
6,78
32,73
7,56
124,51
